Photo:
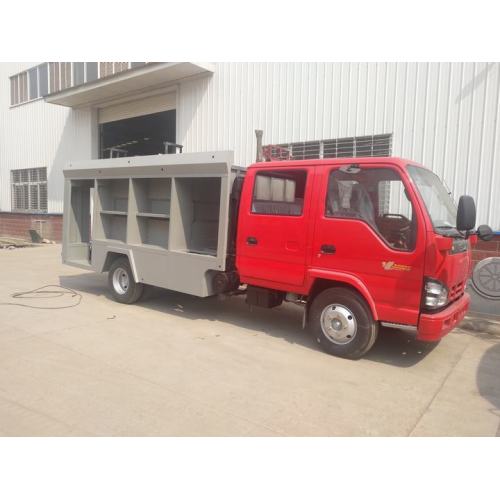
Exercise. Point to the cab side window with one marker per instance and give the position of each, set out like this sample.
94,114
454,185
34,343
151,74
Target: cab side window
376,196
279,192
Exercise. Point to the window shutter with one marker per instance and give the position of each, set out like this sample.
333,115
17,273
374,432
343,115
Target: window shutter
29,189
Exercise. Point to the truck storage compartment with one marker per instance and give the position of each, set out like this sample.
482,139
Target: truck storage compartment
151,201
113,196
79,221
197,228
169,214
154,232
112,199
152,197
114,227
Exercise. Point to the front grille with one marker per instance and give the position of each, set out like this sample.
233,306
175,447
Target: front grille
456,291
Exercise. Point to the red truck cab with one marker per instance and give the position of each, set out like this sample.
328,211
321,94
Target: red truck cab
362,242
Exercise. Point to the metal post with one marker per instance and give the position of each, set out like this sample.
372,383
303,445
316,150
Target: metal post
259,134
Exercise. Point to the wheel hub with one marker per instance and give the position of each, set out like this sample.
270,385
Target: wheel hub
338,324
120,280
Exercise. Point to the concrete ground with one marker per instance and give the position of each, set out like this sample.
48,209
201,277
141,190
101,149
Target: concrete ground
177,365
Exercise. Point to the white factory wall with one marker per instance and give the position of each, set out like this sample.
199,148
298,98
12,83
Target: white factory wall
444,115
36,134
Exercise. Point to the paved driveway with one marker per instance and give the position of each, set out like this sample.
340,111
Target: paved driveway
177,365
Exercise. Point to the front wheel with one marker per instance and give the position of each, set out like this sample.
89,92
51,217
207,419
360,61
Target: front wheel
342,323
121,282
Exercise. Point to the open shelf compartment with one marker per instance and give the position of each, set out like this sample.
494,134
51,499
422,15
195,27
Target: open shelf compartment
153,232
112,207
196,229
113,196
152,197
114,227
151,200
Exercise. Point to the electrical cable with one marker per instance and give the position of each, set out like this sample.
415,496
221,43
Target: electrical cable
42,293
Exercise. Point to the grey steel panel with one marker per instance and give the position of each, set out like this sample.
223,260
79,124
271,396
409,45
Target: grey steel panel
173,229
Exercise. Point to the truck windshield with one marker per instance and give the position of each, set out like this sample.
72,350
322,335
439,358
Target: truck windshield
440,206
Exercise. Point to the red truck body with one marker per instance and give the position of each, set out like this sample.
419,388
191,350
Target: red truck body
359,242
304,249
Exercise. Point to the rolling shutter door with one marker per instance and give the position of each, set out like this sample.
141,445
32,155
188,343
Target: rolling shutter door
139,107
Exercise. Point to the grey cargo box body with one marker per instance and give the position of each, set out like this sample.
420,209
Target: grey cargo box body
167,213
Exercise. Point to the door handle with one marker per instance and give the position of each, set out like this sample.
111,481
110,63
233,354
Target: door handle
328,249
252,240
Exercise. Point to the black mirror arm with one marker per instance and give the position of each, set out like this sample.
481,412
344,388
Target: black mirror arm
465,235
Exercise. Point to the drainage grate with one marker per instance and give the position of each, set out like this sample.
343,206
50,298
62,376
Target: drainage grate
486,278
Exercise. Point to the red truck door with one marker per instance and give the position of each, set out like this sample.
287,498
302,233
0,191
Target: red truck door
273,226
368,225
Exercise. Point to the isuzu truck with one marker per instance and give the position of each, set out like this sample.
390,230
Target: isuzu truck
359,243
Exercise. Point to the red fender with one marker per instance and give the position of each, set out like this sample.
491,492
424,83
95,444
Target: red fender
347,278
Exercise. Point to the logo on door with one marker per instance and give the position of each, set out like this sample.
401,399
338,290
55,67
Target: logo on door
392,266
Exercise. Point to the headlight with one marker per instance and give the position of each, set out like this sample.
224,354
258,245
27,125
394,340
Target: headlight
435,294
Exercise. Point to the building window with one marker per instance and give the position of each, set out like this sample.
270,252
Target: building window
29,190
53,77
60,76
29,85
19,88
78,73
111,68
370,145
120,66
90,71
14,90
84,72
43,79
279,192
33,83
65,75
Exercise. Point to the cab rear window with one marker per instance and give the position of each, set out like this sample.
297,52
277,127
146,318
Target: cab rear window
279,192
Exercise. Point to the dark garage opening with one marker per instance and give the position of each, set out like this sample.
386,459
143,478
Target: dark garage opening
142,135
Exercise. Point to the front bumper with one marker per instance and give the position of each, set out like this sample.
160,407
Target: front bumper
431,327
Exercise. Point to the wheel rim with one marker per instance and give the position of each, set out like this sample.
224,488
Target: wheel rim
338,324
120,280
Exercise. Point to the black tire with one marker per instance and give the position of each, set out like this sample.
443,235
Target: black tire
123,288
354,330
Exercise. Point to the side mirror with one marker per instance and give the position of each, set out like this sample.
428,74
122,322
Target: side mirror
466,213
485,233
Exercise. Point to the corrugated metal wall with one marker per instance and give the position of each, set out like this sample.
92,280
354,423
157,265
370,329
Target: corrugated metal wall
444,115
36,134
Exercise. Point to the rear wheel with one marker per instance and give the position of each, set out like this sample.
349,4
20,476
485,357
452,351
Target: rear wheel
342,323
121,282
